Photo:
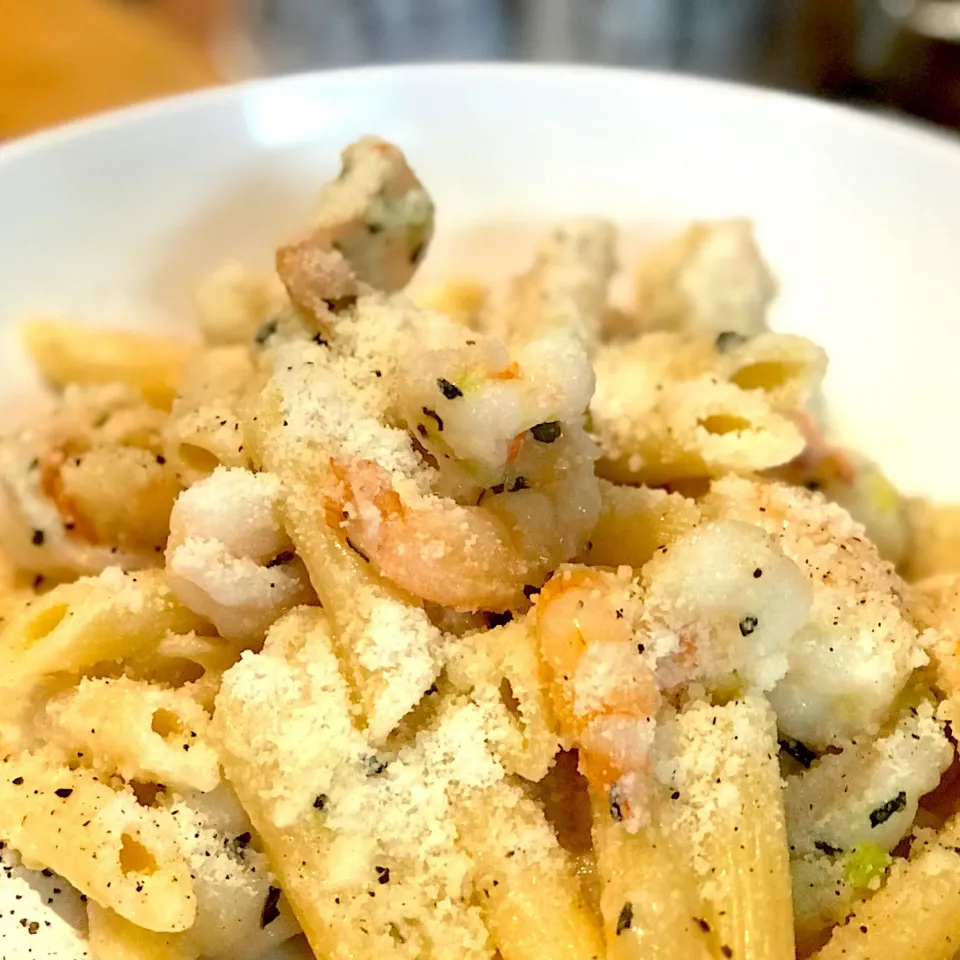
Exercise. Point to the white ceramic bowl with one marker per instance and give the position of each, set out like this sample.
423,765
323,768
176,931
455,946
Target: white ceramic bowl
114,219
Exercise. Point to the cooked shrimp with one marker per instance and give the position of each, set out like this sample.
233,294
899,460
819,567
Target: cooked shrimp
852,658
373,226
709,280
87,487
474,402
868,793
228,558
565,289
500,550
600,672
461,457
854,482
734,600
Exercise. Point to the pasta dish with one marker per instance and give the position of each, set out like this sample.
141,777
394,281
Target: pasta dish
483,622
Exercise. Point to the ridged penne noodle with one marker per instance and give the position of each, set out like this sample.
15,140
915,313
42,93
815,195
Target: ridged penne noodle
363,845
915,915
648,896
371,617
787,368
162,737
721,762
67,352
111,937
635,521
655,432
120,854
710,279
206,425
386,644
533,906
92,620
566,288
934,539
501,666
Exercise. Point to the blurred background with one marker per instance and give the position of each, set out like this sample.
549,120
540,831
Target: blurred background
61,59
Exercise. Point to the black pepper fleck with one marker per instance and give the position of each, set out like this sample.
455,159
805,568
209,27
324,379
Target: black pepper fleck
883,813
728,340
625,919
63,792
281,558
450,390
827,848
799,751
616,813
434,416
747,625
270,910
38,538
383,874
547,432
356,549
373,766
265,332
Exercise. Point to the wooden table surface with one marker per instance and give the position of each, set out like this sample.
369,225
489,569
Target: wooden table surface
61,59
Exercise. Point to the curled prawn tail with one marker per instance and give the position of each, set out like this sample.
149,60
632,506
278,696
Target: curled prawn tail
373,227
364,482
318,278
600,681
466,558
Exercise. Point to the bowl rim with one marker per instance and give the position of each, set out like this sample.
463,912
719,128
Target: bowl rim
912,132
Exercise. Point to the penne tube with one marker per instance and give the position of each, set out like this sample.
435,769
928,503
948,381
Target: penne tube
120,854
111,937
68,352
727,811
915,916
528,892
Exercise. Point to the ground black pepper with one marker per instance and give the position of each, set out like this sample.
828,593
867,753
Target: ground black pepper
270,910
883,813
799,751
450,390
547,432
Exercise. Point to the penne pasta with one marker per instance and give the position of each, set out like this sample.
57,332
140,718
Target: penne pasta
532,903
120,854
915,916
933,539
66,352
92,620
635,521
728,814
111,937
648,896
565,289
501,667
